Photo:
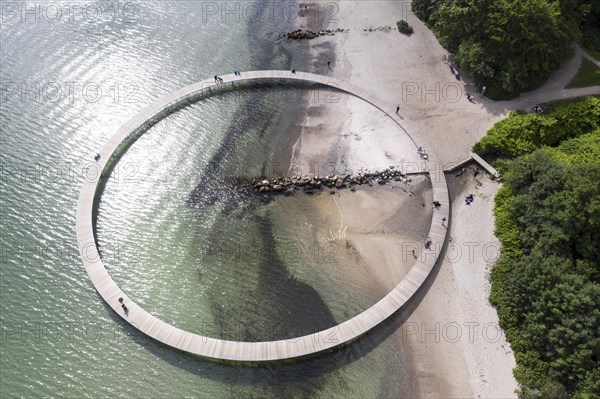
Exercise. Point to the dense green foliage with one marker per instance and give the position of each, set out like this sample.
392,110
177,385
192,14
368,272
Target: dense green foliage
404,27
522,133
510,45
588,16
587,75
546,285
595,54
584,149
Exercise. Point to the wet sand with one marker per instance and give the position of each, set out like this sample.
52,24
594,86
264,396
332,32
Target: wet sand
366,238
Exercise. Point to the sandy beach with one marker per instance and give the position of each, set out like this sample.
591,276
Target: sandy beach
453,334
372,224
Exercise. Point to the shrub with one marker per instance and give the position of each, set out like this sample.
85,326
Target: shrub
404,27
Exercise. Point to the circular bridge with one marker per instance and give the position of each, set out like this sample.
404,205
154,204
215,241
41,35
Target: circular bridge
236,350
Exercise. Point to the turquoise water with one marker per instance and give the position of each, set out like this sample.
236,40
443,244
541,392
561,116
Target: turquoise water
229,269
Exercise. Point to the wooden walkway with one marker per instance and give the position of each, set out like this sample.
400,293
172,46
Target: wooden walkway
475,158
250,351
485,165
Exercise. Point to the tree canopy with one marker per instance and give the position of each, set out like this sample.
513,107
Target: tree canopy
546,285
510,46
522,133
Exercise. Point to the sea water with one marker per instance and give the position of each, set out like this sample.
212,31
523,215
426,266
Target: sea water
167,230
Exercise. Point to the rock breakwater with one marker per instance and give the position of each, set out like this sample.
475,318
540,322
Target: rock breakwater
332,182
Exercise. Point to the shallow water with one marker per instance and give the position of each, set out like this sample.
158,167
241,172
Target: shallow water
229,270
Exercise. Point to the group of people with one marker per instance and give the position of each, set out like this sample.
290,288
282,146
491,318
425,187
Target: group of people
218,79
237,72
469,198
537,109
422,153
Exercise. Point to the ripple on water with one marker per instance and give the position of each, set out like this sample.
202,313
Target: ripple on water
70,343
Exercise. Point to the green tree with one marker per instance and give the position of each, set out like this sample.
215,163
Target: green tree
424,8
522,133
546,286
526,39
507,45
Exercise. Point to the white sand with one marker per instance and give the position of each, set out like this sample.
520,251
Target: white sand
354,135
468,350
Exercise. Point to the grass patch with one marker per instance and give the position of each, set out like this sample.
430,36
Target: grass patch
588,75
593,53
404,27
550,106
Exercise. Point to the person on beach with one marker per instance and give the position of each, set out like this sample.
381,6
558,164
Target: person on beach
329,64
216,79
443,220
397,109
97,157
293,71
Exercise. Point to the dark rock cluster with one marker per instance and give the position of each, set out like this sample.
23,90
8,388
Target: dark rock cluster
311,184
302,34
384,28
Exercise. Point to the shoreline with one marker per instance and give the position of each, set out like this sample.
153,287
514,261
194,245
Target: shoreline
351,136
292,123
